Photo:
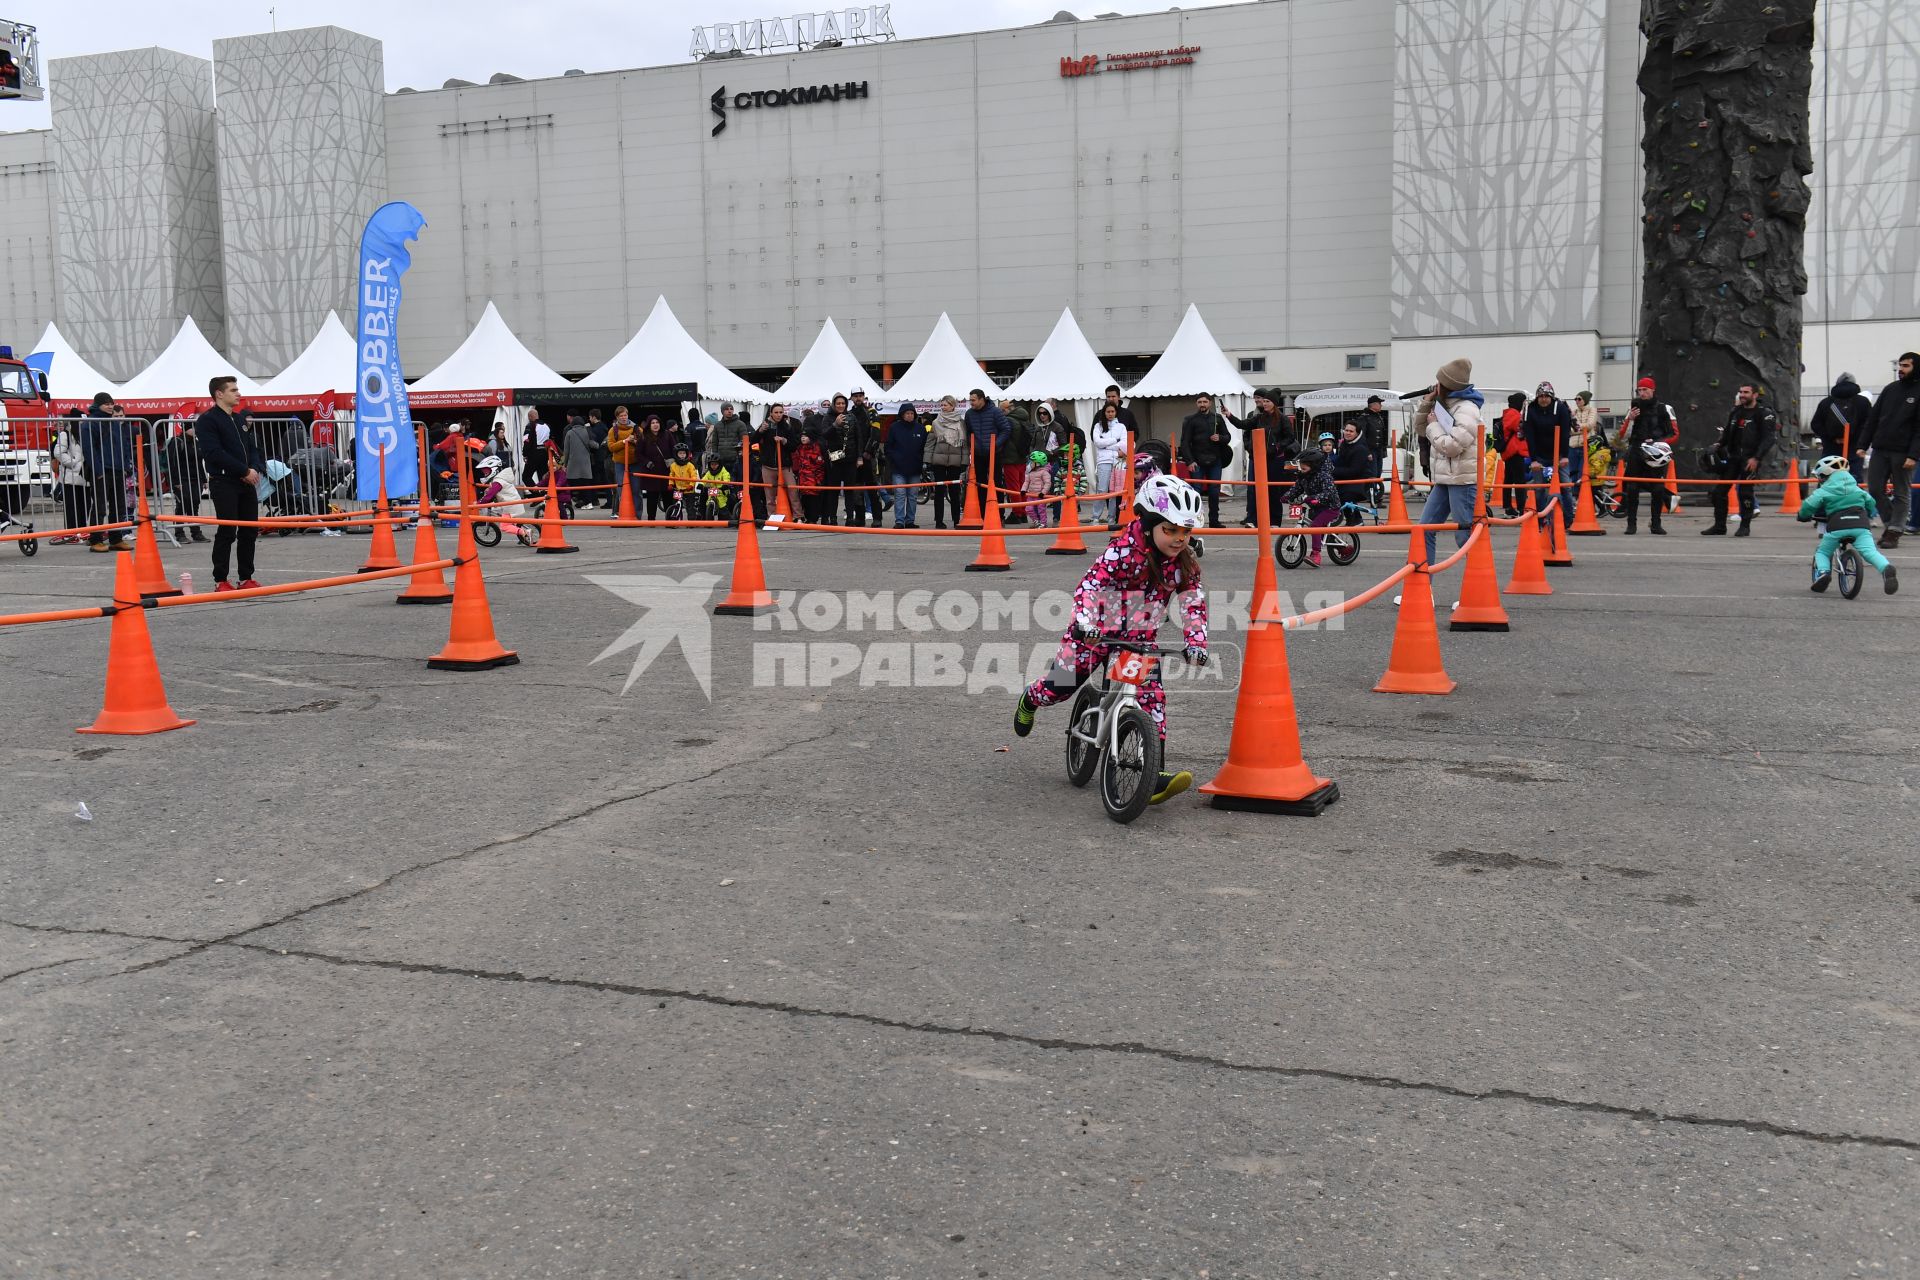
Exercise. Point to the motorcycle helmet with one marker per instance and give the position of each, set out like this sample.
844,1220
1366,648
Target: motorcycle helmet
1828,465
1658,453
489,465
1038,458
1169,499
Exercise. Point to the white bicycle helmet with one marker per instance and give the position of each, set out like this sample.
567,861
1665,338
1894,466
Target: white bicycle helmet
1828,465
1171,499
1658,453
489,465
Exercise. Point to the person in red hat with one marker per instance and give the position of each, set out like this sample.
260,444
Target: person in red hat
1648,423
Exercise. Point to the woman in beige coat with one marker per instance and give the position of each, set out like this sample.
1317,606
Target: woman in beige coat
1449,418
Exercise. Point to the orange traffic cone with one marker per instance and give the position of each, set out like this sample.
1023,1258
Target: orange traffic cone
1396,496
970,514
749,592
624,509
471,644
1414,665
993,556
381,552
429,586
149,575
781,507
1557,552
1068,541
1586,517
136,700
1480,608
1529,577
1790,491
1264,772
553,531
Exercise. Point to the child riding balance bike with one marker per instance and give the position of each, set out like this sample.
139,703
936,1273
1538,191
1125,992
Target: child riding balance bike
1845,511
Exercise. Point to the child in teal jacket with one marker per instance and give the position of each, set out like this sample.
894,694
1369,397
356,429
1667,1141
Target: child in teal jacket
1848,511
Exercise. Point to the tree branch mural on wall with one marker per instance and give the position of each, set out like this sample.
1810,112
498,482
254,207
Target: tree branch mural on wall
1724,87
1499,116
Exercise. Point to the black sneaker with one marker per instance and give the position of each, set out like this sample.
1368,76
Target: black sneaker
1714,531
1890,579
1171,785
1822,582
1023,716
1745,530
1659,529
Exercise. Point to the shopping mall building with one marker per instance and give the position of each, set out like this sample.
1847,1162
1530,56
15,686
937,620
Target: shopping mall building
1350,190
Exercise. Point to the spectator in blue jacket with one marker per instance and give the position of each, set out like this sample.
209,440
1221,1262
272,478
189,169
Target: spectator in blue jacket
906,451
107,443
988,427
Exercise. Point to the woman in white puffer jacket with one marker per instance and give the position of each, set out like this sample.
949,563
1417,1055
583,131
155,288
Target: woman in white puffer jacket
1455,441
70,470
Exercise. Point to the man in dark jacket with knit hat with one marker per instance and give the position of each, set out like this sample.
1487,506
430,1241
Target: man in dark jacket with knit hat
1841,423
1893,433
1548,424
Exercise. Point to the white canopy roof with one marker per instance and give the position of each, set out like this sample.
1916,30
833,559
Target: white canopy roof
944,367
829,370
662,351
1191,364
1065,369
69,377
328,364
182,371
490,357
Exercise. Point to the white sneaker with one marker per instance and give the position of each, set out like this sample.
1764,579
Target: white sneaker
329,533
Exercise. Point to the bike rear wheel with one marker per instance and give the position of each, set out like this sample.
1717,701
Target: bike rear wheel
1342,548
1290,550
1083,757
1846,567
1130,771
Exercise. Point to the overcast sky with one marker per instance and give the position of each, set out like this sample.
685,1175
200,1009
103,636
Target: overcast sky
427,43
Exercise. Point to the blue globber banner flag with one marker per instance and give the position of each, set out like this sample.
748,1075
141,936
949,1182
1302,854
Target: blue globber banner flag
383,424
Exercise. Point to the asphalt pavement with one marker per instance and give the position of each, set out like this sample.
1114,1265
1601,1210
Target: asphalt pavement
1603,965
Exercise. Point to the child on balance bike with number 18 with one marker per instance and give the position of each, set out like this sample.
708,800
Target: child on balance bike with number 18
1124,596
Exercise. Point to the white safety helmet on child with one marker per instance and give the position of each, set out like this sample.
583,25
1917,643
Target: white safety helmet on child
1828,465
1171,499
489,465
1658,453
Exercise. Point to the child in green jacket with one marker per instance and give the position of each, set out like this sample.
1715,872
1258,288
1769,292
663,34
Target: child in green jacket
1848,511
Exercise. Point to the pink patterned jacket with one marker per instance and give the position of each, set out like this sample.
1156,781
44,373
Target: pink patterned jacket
1124,594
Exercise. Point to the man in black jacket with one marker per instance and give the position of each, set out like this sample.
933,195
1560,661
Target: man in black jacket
1744,444
1548,424
1373,426
181,457
1841,423
234,461
1649,421
1204,445
1893,433
1126,414
1282,445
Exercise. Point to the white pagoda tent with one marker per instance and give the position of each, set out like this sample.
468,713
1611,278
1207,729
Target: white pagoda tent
328,364
1191,365
829,370
69,377
490,358
663,352
181,372
1065,369
944,367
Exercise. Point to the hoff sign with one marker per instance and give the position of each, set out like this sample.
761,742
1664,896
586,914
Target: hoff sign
1091,64
804,96
875,22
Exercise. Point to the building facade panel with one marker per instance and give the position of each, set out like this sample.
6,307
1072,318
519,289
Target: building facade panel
29,253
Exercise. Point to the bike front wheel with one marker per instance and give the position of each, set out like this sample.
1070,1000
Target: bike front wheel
486,533
1846,567
1290,550
1130,771
1082,757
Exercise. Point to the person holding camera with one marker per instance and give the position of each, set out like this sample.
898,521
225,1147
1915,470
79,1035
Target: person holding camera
1744,444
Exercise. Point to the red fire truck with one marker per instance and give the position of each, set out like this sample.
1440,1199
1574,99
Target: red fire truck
26,436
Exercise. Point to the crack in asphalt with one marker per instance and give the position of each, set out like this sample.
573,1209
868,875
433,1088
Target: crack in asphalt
1130,1048
492,845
